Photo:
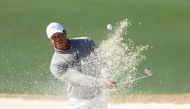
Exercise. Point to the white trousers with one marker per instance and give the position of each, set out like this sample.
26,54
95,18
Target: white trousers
94,103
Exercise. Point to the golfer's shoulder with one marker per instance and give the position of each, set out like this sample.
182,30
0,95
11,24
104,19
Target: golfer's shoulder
56,58
80,40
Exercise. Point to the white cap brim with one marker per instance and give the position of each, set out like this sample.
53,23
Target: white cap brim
50,34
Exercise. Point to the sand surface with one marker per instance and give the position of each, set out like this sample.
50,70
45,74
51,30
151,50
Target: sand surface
114,102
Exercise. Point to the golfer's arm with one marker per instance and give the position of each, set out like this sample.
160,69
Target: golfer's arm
74,76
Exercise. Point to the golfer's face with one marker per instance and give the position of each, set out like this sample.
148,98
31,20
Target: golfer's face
59,40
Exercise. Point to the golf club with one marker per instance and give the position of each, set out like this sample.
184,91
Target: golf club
147,72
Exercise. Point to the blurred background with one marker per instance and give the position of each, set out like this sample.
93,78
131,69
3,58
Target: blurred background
25,52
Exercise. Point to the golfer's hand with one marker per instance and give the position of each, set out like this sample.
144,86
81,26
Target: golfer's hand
110,84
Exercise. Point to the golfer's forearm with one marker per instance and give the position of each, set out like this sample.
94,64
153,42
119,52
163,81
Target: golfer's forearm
76,77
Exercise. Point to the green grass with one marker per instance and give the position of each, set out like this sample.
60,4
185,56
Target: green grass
25,53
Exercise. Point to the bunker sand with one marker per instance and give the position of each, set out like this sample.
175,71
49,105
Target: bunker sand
114,102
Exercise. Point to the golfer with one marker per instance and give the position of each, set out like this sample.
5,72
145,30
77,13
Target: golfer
84,88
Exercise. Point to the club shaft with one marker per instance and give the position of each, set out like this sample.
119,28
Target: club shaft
130,81
125,83
139,78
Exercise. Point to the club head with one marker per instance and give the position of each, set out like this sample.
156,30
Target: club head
148,71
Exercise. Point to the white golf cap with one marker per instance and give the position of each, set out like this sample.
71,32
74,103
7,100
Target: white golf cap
52,28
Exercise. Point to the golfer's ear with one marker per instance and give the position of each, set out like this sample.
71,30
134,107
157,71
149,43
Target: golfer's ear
64,31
